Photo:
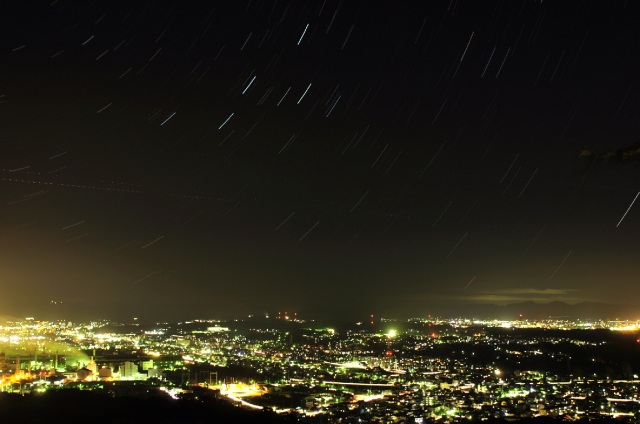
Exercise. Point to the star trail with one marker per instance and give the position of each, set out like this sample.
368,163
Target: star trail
217,159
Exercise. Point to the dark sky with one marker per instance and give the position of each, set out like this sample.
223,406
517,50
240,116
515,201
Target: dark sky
216,159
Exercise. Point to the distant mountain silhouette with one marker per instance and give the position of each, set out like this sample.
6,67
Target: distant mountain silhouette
536,310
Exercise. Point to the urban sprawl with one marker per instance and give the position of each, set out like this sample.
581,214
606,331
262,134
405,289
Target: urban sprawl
378,370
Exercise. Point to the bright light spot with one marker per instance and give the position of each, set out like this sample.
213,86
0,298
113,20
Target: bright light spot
392,333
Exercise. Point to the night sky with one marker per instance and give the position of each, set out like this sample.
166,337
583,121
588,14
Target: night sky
217,159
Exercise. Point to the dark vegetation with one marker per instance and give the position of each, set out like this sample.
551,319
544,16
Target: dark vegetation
75,406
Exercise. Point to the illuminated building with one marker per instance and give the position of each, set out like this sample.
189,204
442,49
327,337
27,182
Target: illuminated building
105,373
92,366
128,370
84,374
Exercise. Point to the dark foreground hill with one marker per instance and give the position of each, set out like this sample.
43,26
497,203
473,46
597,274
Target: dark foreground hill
75,406
72,406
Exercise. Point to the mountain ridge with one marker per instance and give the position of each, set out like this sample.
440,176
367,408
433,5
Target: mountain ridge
540,310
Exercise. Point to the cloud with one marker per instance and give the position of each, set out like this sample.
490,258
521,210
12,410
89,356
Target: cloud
533,291
512,295
625,158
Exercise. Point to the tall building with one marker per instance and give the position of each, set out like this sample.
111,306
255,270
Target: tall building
92,366
128,370
18,366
